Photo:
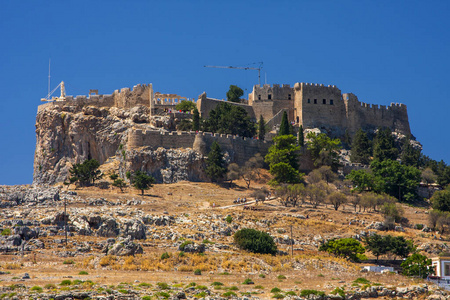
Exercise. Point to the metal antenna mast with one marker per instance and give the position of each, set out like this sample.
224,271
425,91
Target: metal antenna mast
242,68
48,92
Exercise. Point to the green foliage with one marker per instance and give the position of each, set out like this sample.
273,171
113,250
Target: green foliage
395,179
361,148
306,293
37,289
278,296
147,298
83,273
197,272
248,281
337,199
85,173
347,247
361,280
275,290
113,176
196,120
217,283
381,245
229,294
261,128
184,244
284,125
66,282
184,125
144,284
165,255
392,211
440,200
384,145
163,286
229,219
68,262
142,181
339,291
324,150
417,265
283,160
280,277
255,241
230,119
234,94
301,137
363,180
215,164
119,183
262,276
50,286
290,194
410,156
185,106
6,231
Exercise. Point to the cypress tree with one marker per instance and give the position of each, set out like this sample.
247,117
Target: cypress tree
215,164
261,128
361,148
284,125
301,137
196,120
384,145
410,156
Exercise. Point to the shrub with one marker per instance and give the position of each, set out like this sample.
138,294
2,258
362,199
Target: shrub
36,288
278,296
66,282
361,280
163,286
181,254
122,291
255,241
197,272
275,290
262,276
144,284
259,287
68,262
229,294
306,293
83,273
291,293
146,298
233,288
50,286
347,247
200,295
339,291
216,283
280,277
184,244
164,294
229,219
165,255
248,281
419,226
224,273
6,231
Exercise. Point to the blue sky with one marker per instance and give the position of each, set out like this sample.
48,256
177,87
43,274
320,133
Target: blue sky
382,51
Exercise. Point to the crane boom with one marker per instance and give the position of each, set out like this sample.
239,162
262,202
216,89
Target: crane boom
61,98
241,68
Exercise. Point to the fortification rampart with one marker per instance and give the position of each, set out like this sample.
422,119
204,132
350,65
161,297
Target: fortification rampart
205,105
240,149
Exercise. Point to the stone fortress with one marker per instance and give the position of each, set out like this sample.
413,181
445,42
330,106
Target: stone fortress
136,120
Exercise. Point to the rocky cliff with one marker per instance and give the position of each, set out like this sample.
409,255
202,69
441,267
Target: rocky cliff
68,134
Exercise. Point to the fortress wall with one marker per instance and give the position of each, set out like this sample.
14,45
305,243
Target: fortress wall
316,113
128,98
240,149
93,100
205,105
369,117
264,108
276,92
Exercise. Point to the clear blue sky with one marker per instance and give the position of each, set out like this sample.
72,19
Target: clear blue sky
382,51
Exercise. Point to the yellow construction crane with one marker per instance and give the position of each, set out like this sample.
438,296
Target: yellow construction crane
242,68
60,98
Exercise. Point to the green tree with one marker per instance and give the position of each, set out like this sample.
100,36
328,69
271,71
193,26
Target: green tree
324,150
233,172
234,94
290,194
301,137
376,244
85,173
361,148
215,164
283,160
417,265
120,183
401,247
284,125
142,181
255,241
184,125
347,247
397,180
196,120
362,180
230,119
384,145
261,128
441,200
392,211
410,156
185,106
337,199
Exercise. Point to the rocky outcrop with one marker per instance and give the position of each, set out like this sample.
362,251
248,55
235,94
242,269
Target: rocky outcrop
125,247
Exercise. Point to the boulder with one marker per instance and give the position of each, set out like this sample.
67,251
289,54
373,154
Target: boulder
134,229
109,228
125,247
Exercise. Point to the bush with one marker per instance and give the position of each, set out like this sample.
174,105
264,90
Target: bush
6,231
50,286
163,286
197,272
36,288
255,241
144,284
339,291
229,219
361,280
66,282
184,244
68,262
280,277
278,296
165,255
83,273
275,290
248,281
216,283
146,298
306,293
262,276
347,247
229,294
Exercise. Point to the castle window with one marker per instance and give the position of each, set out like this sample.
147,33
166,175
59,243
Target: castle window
259,97
289,97
324,101
331,101
309,100
270,96
315,101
